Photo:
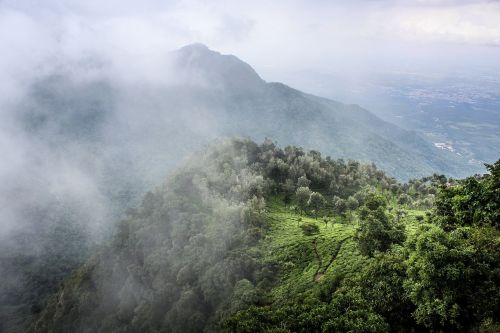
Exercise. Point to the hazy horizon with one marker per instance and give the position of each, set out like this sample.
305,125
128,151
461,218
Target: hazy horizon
277,39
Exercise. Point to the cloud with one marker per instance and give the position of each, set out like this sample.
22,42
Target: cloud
280,34
464,23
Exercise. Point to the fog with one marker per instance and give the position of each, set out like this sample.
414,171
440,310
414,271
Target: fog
125,46
279,35
89,100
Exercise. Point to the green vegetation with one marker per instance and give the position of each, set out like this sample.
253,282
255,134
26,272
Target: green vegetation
377,231
233,242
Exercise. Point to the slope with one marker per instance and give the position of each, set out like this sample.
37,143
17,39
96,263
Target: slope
227,244
250,106
178,261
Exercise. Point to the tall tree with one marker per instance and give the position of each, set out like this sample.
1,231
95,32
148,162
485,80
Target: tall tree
302,194
288,189
377,232
316,202
339,206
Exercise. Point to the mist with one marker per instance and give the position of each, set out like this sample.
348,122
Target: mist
99,103
120,54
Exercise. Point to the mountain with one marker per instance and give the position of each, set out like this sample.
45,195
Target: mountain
208,95
211,95
228,243
258,109
90,143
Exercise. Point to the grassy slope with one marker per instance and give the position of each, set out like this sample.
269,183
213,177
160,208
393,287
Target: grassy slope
287,246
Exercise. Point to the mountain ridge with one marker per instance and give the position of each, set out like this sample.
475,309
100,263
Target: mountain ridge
404,141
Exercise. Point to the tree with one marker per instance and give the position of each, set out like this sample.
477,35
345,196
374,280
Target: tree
253,214
303,182
288,190
316,202
454,277
302,194
382,286
453,274
340,206
352,203
377,232
404,199
244,295
474,202
373,202
349,312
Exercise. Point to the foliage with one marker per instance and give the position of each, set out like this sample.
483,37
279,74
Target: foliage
303,194
339,205
288,190
352,203
316,202
473,202
382,285
309,229
217,249
453,277
377,231
454,274
303,182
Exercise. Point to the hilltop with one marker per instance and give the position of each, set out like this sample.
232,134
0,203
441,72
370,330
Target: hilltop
254,238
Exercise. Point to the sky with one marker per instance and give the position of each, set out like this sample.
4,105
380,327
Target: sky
273,36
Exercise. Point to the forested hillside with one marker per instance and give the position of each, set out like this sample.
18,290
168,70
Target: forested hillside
89,143
256,238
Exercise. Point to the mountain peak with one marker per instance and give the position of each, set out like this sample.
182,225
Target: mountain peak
220,69
195,46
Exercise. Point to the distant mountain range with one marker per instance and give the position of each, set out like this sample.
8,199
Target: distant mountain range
214,95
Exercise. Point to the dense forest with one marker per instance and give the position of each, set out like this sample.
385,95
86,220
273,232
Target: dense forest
256,238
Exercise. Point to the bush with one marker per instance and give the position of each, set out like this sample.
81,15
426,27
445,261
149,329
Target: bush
310,229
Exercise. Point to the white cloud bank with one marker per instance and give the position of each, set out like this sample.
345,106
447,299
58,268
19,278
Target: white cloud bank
286,34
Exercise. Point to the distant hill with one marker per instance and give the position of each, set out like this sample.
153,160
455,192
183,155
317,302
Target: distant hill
258,109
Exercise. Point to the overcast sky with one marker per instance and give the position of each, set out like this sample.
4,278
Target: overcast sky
270,35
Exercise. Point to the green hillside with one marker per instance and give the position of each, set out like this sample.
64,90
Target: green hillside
255,238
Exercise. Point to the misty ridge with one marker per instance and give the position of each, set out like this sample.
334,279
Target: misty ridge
84,141
81,135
